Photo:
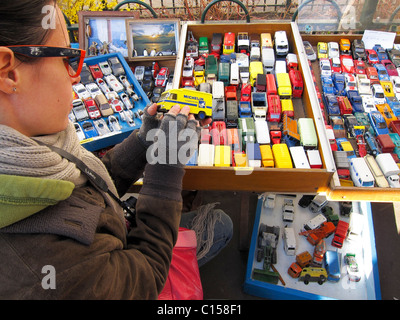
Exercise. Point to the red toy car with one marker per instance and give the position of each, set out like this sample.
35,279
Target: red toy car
245,93
96,71
92,109
390,68
347,63
162,77
372,75
218,133
359,67
361,145
372,57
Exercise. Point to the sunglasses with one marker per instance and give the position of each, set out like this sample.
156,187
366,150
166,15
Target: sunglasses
73,58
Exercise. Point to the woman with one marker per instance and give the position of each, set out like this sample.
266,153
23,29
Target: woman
61,236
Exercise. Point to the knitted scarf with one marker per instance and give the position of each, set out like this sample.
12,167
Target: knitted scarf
23,156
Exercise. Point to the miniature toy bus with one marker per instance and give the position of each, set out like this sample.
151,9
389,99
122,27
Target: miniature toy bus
200,103
308,135
282,156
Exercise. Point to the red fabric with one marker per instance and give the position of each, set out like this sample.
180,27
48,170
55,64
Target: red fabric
183,282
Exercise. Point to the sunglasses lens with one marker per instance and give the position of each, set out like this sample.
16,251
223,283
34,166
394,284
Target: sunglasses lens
74,64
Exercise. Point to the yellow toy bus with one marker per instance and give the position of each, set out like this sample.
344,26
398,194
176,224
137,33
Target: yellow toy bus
200,103
282,156
284,85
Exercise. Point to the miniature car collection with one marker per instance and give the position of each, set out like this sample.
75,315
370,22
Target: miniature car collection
370,100
313,248
105,102
247,88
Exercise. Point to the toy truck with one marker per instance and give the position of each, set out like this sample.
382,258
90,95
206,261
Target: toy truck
243,42
299,157
231,113
200,102
274,112
318,203
211,67
268,59
267,158
218,100
288,210
245,109
316,235
376,171
259,105
389,168
289,241
253,154
308,135
340,234
290,130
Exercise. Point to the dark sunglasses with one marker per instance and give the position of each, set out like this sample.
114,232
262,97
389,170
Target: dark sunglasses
73,58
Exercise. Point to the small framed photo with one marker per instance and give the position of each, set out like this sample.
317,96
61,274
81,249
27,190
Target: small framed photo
152,38
102,32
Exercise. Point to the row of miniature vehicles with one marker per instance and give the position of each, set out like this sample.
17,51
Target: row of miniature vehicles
358,129
104,100
252,144
322,264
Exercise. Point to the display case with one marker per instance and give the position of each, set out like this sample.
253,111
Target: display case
128,120
337,285
250,178
338,190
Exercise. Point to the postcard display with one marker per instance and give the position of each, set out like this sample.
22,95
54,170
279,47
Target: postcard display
111,138
361,242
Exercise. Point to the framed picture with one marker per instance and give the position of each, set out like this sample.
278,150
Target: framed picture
152,38
102,32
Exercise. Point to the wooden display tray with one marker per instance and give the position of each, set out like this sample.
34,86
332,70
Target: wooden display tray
335,190
260,179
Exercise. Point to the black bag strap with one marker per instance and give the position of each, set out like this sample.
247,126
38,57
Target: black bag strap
93,177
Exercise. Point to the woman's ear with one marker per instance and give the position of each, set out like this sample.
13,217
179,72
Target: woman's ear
8,74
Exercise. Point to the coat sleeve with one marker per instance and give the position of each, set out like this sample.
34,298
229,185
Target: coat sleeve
125,162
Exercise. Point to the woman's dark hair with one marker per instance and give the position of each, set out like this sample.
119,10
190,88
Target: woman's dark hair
21,22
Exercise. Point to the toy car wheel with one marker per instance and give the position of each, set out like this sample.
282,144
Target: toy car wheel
321,279
201,115
307,279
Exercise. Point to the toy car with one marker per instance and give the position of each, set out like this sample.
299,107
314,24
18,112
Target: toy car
322,50
313,274
113,123
86,75
93,89
89,129
333,49
96,71
139,73
372,57
359,66
92,109
378,123
332,265
325,67
344,46
162,77
113,83
358,50
352,267
81,91
311,55
105,68
103,86
101,127
372,75
390,68
327,85
380,51
335,65
79,132
394,56
382,72
331,104
347,64
79,110
338,83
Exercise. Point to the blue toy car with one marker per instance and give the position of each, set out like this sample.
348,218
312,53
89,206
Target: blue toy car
394,104
331,104
88,129
370,140
378,123
327,85
332,265
381,52
355,100
383,75
338,83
